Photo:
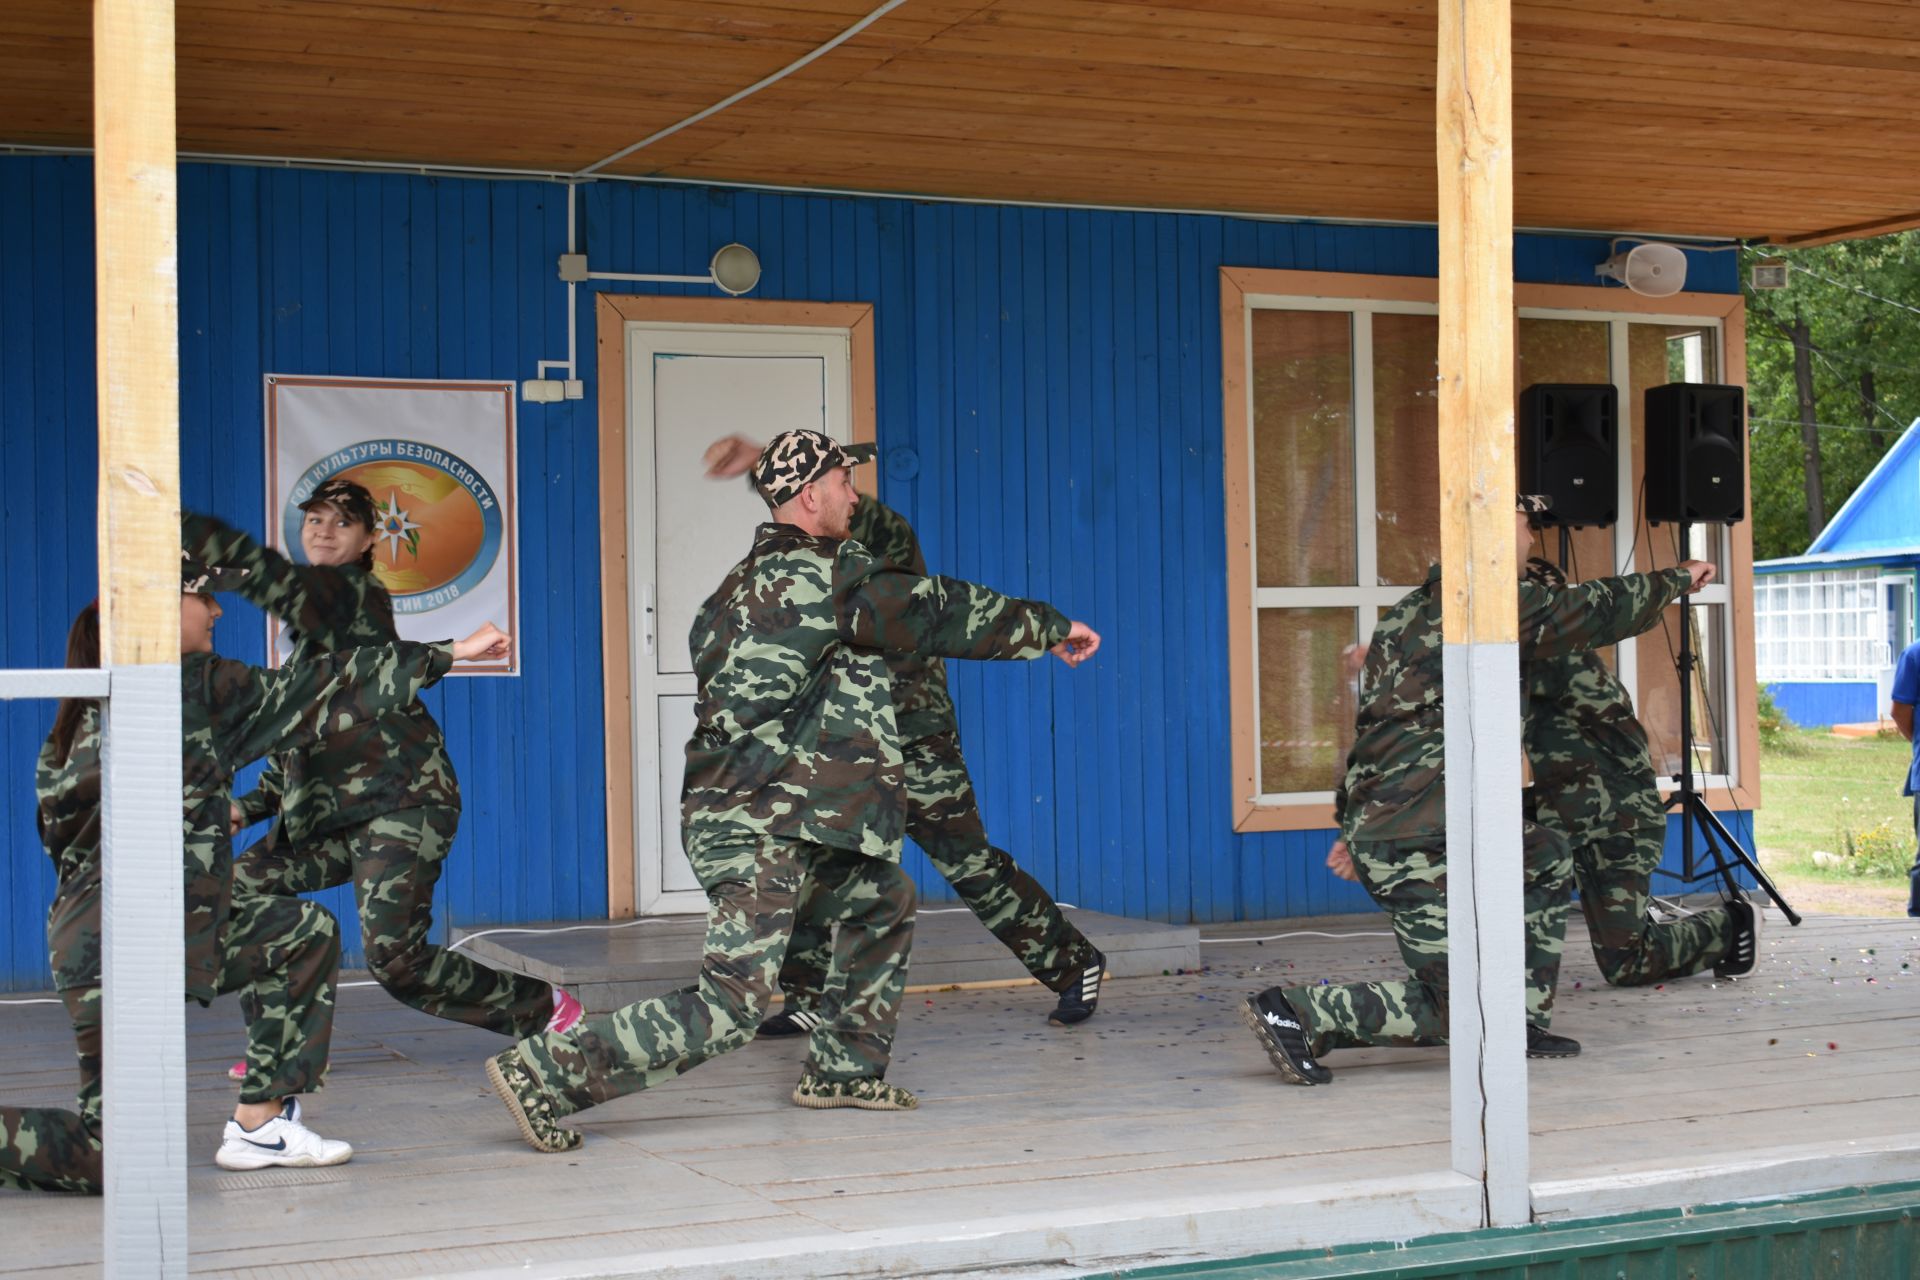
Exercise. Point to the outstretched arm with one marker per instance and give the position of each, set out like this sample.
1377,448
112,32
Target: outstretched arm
257,711
313,600
944,617
1593,615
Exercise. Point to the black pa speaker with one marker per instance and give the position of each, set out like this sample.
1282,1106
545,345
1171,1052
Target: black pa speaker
1696,460
1569,451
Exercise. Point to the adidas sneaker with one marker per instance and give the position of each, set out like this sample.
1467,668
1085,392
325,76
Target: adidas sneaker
1281,1034
1743,953
1078,999
790,1022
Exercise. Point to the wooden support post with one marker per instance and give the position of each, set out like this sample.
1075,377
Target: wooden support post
1474,134
137,308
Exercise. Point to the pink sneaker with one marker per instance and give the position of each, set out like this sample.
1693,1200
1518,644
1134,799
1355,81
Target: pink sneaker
567,1013
238,1071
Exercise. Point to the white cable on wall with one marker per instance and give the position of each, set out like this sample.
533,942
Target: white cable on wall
749,91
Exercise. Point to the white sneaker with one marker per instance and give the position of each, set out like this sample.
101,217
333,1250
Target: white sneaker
281,1143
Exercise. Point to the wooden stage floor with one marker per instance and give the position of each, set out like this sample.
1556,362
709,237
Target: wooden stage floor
1154,1133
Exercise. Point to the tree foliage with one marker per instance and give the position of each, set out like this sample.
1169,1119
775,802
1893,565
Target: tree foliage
1855,306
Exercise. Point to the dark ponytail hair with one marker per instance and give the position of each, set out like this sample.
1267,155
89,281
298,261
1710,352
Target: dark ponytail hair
83,650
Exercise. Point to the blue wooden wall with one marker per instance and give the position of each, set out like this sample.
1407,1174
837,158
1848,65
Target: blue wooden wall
1817,704
1057,372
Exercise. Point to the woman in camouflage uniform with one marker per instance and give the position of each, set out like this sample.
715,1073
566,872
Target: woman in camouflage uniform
377,805
280,954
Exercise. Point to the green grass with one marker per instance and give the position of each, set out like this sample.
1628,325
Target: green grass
1815,788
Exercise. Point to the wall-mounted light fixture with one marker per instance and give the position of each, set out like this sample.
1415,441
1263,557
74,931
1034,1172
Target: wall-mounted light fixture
734,269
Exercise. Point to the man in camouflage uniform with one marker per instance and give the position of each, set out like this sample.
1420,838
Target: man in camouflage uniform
281,955
795,782
943,817
1391,810
1594,783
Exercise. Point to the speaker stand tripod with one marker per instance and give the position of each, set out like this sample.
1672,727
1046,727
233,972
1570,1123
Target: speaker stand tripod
1725,852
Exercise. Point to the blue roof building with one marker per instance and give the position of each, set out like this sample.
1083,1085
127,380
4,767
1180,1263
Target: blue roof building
1830,624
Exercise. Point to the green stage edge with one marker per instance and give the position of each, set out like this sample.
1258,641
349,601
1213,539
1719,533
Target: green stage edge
1861,1233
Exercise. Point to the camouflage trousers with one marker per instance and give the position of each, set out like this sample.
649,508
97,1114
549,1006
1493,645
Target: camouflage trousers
752,892
394,862
943,818
49,1149
1409,880
1617,828
281,955
1913,891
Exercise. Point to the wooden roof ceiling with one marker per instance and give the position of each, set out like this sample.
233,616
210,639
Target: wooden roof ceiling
1772,118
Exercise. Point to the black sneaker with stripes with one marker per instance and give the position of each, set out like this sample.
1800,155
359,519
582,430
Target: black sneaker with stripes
790,1022
1743,953
1078,998
1276,1024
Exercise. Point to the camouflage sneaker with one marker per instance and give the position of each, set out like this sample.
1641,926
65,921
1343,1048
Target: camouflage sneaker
532,1106
1275,1024
869,1093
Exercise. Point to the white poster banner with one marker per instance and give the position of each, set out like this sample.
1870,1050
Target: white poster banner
438,459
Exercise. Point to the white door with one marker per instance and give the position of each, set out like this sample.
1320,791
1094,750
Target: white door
1896,594
688,385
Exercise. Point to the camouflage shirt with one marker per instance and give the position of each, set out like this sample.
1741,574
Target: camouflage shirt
921,705
794,728
1394,786
1574,700
396,762
230,714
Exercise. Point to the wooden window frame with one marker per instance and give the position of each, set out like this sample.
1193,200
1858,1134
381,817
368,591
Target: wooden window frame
1240,287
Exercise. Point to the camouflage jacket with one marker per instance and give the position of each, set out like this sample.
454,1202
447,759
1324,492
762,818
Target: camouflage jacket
794,729
1394,786
230,714
1577,715
921,705
396,762
68,816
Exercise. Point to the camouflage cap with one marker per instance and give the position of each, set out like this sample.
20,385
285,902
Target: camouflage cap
1532,504
199,579
793,460
350,499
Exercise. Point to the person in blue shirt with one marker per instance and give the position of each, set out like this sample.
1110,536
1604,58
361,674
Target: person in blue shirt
1906,693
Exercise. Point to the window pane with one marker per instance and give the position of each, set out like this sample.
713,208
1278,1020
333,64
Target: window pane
1306,697
1303,448
1656,355
1659,700
1563,351
1406,445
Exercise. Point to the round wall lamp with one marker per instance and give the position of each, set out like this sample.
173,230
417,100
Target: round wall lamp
735,269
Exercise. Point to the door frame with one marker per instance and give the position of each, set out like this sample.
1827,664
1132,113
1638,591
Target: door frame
612,313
